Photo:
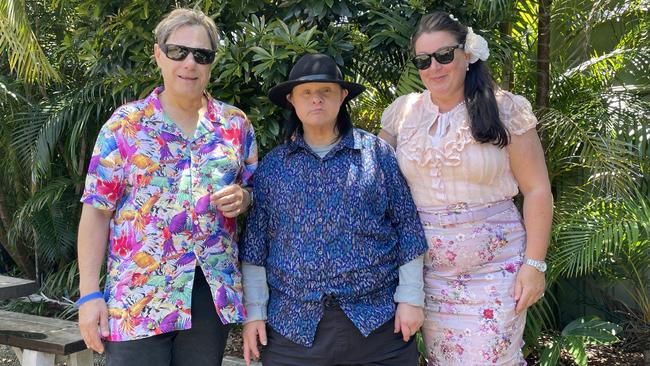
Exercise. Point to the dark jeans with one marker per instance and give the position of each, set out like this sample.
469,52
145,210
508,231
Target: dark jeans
202,345
338,342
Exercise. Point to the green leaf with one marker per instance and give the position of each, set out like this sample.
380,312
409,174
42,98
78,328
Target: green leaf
576,348
593,328
274,128
551,354
261,52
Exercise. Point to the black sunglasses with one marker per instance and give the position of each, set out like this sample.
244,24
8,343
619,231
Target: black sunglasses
444,56
175,52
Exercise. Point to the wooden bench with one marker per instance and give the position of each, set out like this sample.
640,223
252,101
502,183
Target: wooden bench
11,287
40,341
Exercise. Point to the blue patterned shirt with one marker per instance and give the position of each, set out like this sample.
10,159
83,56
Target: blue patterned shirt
339,225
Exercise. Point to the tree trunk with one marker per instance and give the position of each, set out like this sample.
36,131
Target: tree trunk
507,76
543,54
81,165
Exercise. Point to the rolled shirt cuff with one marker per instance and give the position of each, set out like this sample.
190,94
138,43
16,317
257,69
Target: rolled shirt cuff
256,292
411,283
255,312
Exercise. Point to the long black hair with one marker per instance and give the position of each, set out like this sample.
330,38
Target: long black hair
485,123
342,127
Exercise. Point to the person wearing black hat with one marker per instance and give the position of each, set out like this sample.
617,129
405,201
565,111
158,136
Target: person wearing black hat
333,240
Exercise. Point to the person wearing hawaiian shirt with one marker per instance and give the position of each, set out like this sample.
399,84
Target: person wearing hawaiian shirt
167,179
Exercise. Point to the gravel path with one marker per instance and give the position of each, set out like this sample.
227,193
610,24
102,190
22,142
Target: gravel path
8,358
233,352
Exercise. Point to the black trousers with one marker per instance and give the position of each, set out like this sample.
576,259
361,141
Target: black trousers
202,345
338,342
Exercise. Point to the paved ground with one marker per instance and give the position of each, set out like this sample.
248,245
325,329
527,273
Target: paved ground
8,358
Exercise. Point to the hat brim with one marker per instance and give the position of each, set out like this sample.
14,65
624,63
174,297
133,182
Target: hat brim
278,93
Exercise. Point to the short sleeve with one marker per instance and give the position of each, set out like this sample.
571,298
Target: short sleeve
249,155
516,113
105,181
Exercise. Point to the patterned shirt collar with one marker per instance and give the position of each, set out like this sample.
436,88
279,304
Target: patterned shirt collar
206,123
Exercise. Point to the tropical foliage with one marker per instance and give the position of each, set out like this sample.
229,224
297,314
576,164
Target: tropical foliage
574,338
66,64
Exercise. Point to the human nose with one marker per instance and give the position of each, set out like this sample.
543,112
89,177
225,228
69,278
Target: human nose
317,98
189,60
435,65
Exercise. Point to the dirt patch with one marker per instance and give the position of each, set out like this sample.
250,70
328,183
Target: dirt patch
235,343
611,355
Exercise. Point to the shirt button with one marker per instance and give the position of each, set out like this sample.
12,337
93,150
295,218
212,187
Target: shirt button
196,222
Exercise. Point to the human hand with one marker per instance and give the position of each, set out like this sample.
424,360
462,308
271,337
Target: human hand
231,200
93,321
408,319
529,287
253,330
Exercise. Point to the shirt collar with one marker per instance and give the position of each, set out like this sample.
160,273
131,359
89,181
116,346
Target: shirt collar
206,123
351,140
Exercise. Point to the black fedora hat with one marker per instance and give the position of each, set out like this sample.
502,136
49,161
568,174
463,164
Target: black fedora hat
313,68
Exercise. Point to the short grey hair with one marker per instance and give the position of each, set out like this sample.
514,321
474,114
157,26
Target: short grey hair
186,17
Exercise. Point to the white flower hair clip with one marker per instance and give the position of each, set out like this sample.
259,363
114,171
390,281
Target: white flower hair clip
476,46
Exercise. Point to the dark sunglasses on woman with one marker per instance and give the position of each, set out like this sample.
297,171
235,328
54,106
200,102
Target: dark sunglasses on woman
175,52
443,55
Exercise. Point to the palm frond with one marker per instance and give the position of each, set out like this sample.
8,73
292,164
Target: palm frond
49,219
6,94
591,135
41,199
542,314
26,57
493,10
588,232
409,81
40,129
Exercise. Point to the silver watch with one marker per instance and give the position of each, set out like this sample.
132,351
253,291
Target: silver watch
539,265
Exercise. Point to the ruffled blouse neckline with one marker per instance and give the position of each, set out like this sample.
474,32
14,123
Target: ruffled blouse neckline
443,147
430,112
431,106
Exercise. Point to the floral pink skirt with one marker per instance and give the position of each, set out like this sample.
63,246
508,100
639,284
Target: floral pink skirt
469,279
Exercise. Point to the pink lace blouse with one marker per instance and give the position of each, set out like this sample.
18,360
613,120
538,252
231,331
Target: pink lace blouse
440,159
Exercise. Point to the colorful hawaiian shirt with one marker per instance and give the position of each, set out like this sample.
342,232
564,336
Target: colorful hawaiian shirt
340,225
158,182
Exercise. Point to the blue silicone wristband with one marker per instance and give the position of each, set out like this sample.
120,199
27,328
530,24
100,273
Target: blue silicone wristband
92,296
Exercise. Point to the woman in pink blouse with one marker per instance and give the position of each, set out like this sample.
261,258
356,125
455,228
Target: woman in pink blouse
466,148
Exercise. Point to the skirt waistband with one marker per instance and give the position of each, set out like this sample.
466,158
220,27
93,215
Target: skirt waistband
461,213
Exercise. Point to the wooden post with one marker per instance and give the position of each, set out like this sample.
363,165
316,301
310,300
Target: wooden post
543,54
507,74
35,358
